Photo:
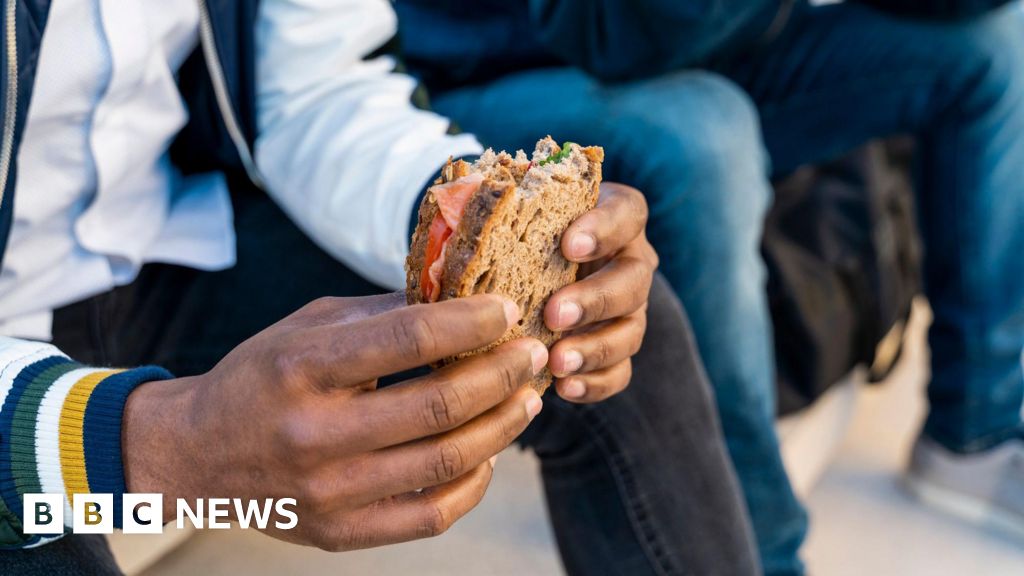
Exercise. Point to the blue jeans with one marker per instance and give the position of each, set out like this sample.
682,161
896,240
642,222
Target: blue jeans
835,78
691,141
840,75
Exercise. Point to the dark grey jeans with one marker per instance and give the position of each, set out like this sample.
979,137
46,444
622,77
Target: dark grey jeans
639,484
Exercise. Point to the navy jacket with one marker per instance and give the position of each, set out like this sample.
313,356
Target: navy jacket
450,42
219,93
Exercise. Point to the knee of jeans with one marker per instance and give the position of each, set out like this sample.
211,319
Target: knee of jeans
692,143
992,51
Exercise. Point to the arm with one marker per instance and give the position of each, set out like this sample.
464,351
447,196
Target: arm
60,431
347,156
623,39
342,149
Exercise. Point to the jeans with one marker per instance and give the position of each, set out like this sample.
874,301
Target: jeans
839,75
691,142
698,147
638,484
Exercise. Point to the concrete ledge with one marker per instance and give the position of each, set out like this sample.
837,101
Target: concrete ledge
811,438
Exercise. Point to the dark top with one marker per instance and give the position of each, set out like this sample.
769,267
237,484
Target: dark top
447,42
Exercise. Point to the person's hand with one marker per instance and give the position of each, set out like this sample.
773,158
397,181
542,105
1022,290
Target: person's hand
605,311
294,412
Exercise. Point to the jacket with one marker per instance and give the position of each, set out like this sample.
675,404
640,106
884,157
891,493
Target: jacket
450,43
218,87
339,147
217,84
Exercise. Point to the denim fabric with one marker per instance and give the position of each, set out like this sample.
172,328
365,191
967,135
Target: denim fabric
842,74
691,141
836,77
639,484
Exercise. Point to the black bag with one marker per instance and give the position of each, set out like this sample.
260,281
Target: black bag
844,264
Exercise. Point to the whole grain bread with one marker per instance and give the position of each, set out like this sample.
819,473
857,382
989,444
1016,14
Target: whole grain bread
509,239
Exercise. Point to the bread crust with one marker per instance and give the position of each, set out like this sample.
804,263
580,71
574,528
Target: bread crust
481,240
417,252
478,221
453,170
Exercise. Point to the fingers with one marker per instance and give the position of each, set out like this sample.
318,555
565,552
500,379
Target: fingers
405,338
369,306
606,345
429,405
596,386
433,461
617,289
407,517
620,216
332,310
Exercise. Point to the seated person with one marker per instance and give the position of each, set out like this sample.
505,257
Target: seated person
125,250
783,84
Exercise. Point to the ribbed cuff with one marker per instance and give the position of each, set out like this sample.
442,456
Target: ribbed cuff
18,454
101,431
60,431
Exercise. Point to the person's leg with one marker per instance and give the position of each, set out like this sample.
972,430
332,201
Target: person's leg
691,143
646,471
843,74
187,320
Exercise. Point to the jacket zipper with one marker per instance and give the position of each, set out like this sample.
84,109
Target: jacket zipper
220,91
11,102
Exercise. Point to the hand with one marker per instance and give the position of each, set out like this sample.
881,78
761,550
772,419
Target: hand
294,412
605,310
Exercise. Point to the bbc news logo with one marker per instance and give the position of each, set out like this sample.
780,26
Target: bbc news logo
143,513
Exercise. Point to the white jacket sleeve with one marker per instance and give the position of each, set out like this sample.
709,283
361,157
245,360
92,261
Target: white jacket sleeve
340,146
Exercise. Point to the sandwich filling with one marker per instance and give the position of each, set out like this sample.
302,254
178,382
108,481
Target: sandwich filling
451,199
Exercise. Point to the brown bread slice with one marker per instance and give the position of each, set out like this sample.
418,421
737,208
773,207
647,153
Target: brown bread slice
509,239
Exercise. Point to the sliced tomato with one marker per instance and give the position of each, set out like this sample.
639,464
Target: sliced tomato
437,237
453,197
436,269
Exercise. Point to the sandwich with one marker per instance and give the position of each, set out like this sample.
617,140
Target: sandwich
496,225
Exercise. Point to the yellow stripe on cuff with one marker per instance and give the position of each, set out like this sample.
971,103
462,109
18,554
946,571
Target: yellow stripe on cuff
72,420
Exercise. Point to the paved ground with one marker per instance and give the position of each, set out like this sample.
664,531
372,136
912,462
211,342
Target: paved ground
862,521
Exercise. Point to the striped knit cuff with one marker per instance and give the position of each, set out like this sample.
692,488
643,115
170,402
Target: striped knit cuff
60,430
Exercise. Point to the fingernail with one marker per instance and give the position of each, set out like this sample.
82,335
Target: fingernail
572,361
511,312
573,389
492,460
582,244
533,405
539,357
569,313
